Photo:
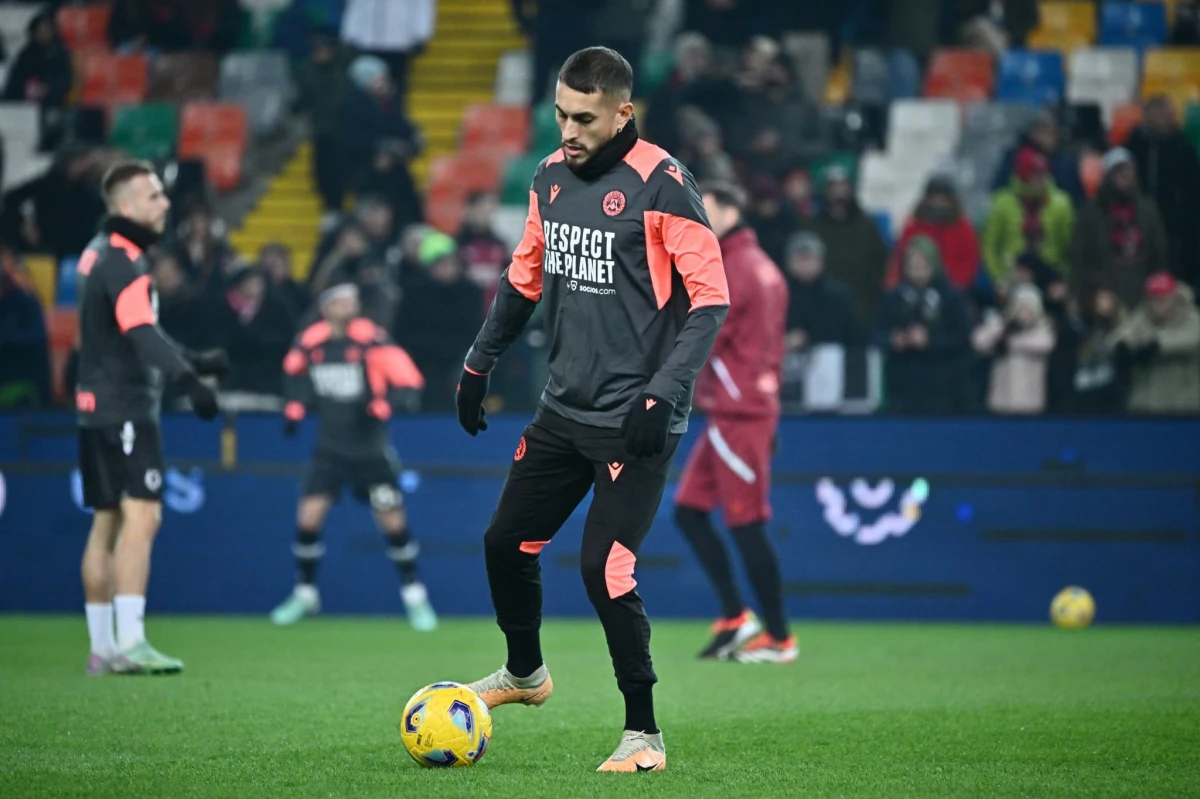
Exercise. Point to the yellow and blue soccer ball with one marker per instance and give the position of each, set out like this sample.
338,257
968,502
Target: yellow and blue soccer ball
446,725
1073,608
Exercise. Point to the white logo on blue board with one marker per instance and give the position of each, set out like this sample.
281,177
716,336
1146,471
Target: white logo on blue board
849,522
184,490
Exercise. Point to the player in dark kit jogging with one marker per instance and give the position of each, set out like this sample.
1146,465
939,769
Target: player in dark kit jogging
348,370
124,359
618,247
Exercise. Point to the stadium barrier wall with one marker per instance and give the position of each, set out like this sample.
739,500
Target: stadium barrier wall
874,519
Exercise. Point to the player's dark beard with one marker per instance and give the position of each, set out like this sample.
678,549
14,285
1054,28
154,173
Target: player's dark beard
140,235
610,154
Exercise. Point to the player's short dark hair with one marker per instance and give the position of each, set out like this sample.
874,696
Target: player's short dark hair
121,173
726,193
598,69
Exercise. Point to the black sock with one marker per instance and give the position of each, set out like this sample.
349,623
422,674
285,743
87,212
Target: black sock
639,710
699,531
763,567
524,652
308,550
402,550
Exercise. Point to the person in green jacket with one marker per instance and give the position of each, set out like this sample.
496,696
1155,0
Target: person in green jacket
1031,215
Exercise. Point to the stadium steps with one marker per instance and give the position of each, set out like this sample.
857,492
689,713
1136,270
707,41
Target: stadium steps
457,69
289,212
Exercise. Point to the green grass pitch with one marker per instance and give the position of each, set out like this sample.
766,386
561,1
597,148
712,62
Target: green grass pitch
869,710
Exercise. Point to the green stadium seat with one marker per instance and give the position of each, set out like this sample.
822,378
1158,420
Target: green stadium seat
1191,125
546,136
518,174
147,131
656,68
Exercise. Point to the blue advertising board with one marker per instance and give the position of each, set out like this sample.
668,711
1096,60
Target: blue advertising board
876,518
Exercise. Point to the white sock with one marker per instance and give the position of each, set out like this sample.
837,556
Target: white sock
131,621
100,628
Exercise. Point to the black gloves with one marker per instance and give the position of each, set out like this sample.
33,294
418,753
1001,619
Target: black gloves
646,426
211,362
472,388
204,399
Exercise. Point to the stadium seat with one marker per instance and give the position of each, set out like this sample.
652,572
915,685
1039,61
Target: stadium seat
1191,124
495,127
62,328
183,77
920,132
84,27
546,136
1125,119
215,133
1065,26
904,74
1133,24
514,74
1174,71
1003,121
810,55
110,80
870,82
1033,77
445,214
1104,75
963,75
518,176
458,175
1091,172
856,127
44,276
261,83
145,131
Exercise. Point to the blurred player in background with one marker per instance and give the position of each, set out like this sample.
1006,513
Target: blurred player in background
346,367
123,358
730,465
618,247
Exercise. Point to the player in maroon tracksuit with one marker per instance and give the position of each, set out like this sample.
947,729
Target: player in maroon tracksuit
730,465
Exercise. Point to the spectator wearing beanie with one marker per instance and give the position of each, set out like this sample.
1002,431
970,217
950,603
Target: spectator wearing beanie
820,307
1031,215
1019,342
1160,343
1120,239
939,215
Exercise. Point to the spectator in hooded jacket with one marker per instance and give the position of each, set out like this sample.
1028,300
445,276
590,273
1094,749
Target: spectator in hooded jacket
42,72
820,307
939,215
855,252
1019,342
1168,170
1031,215
925,330
1119,240
323,83
1045,137
1161,343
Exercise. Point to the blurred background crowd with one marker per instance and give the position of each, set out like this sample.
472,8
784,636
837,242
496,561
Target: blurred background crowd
981,206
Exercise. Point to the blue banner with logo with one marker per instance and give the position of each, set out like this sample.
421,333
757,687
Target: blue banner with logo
874,518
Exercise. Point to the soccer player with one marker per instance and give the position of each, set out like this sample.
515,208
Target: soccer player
618,247
123,358
730,465
348,369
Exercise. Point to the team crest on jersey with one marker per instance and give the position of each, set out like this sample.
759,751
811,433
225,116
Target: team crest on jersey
614,202
153,479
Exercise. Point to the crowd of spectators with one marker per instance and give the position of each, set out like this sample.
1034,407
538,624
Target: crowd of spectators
1051,301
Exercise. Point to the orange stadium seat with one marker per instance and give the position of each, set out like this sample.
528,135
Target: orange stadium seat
458,175
85,27
1091,172
1124,119
216,134
1065,26
964,75
445,215
62,326
110,80
495,127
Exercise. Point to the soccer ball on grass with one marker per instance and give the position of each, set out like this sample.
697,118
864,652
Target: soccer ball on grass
1073,608
446,724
